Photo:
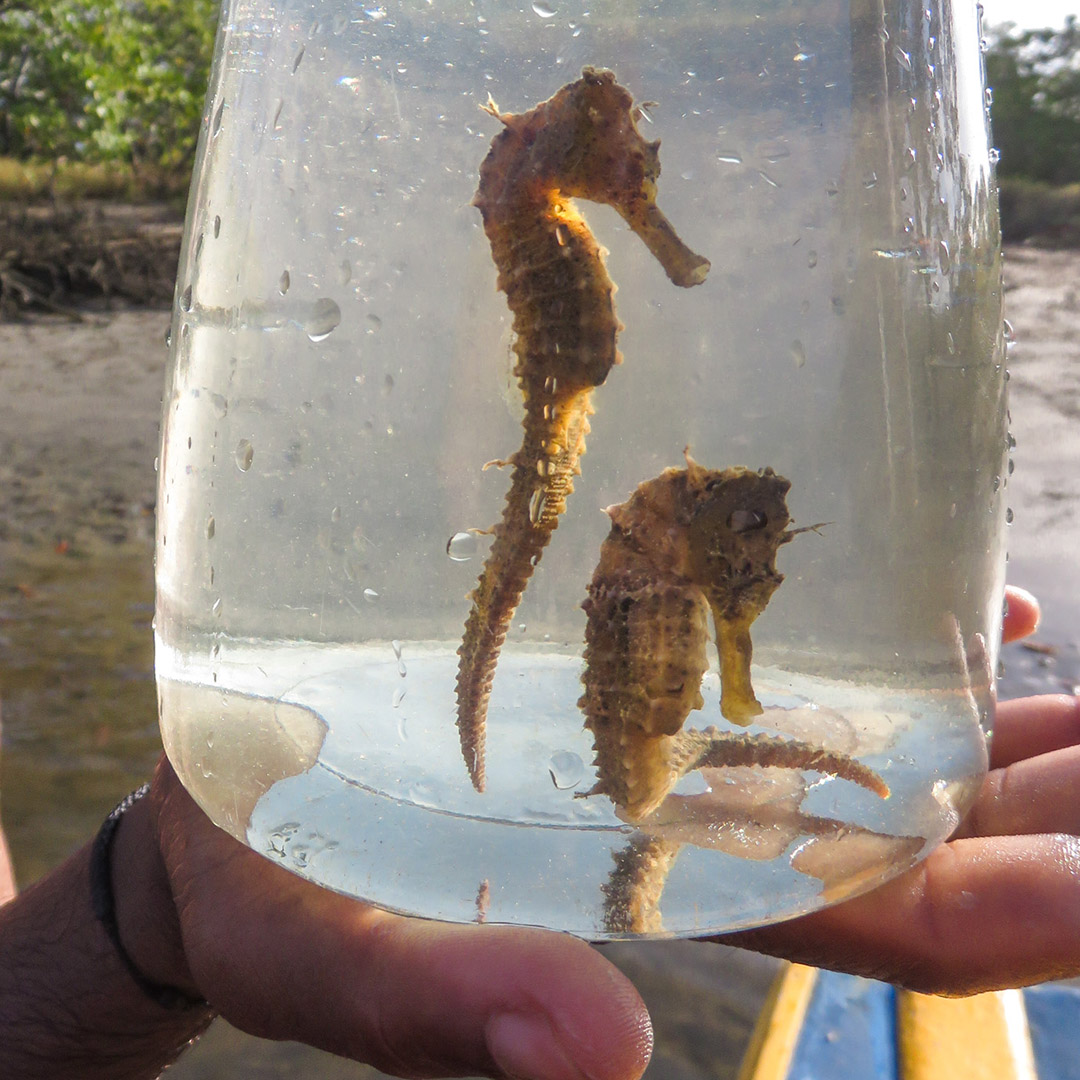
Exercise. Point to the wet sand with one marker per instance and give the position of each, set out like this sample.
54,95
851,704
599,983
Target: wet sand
79,408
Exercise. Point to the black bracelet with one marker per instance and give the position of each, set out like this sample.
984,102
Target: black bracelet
104,905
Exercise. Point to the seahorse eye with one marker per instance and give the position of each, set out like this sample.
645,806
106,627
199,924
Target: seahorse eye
742,521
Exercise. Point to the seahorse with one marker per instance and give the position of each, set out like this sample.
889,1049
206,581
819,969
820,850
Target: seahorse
581,143
689,543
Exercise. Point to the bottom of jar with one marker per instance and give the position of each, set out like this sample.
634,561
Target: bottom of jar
343,764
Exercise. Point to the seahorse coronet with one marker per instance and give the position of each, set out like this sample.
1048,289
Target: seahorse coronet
582,143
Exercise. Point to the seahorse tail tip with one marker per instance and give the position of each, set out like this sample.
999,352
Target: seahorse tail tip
471,722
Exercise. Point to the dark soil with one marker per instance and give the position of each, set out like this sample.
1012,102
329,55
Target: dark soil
68,257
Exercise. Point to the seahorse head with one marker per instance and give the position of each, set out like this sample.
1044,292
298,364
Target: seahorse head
738,521
588,146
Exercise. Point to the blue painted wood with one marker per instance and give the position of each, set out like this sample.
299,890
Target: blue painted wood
1054,1022
849,1032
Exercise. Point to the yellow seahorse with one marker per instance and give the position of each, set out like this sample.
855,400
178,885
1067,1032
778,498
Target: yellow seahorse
689,543
582,143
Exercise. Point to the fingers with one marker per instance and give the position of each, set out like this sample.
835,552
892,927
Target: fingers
1034,795
1028,727
1021,614
282,958
978,914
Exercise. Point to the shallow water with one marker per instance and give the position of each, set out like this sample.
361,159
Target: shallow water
76,592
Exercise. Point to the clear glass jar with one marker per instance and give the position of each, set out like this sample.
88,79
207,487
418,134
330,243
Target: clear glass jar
364,319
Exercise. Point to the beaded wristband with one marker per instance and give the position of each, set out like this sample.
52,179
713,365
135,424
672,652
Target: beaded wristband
104,905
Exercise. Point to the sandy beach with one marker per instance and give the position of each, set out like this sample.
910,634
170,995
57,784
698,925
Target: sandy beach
79,403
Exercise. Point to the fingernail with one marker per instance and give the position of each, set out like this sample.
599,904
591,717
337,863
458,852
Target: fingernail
525,1046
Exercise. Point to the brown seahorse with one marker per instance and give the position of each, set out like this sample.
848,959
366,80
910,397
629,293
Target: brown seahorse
581,143
688,543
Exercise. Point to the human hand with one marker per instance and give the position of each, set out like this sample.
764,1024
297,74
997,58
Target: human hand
284,959
996,906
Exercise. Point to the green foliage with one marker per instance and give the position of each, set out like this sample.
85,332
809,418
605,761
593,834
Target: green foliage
1035,77
104,80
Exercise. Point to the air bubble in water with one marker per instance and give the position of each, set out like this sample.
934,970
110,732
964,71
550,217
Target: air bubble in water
299,57
323,319
185,299
902,58
284,282
462,546
565,769
729,157
371,595
210,528
543,9
399,696
215,127
217,226
798,353
215,609
245,454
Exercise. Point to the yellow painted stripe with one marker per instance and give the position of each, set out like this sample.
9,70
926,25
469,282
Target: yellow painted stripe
772,1045
984,1037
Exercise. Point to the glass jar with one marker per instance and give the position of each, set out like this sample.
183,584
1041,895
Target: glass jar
467,692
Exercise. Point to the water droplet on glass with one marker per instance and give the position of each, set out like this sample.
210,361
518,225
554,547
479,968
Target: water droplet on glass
245,454
950,343
870,180
215,609
217,226
902,58
215,127
798,353
544,10
462,546
944,258
995,155
185,299
210,527
566,769
768,179
399,696
344,272
811,259
299,57
323,319
335,514
371,595
1008,515
396,646
284,282
729,157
